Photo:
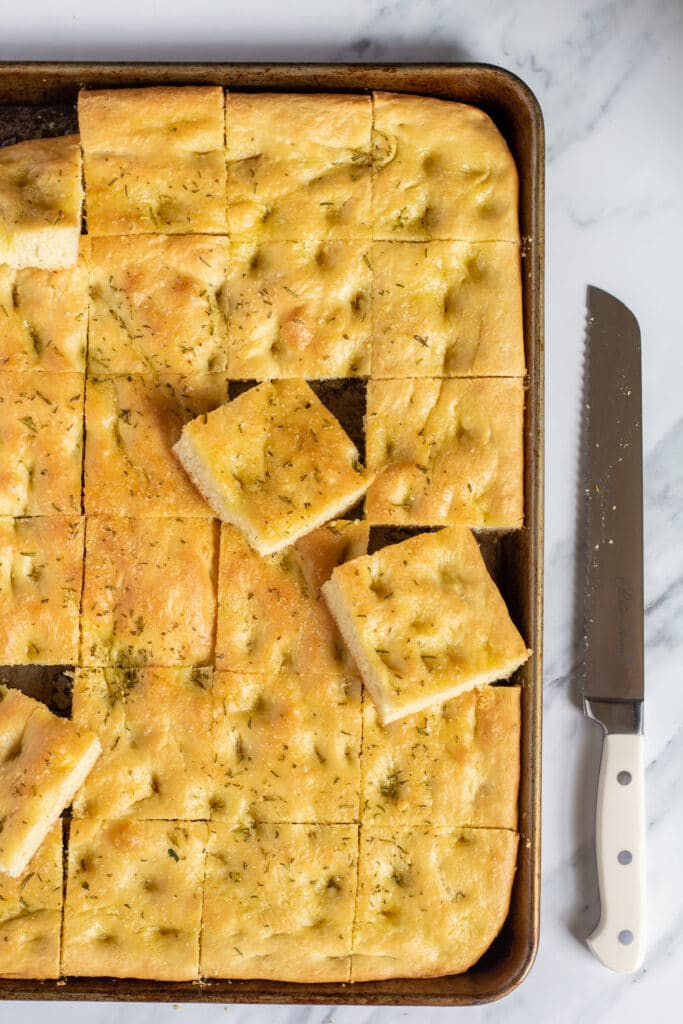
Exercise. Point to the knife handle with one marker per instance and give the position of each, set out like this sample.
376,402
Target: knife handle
619,939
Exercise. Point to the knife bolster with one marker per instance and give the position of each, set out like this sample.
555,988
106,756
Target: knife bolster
616,716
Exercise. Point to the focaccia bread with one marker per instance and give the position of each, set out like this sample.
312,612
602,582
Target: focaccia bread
298,166
41,573
156,305
457,764
442,170
271,615
154,160
424,621
279,901
41,443
43,761
133,899
430,900
447,309
273,462
287,747
131,424
149,592
31,914
40,203
44,317
155,727
446,452
299,309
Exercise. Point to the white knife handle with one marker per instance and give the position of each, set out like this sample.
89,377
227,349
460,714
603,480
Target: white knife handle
619,939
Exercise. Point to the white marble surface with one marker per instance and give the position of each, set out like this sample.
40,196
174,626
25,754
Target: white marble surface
609,76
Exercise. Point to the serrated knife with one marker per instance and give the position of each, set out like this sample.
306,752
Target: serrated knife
613,679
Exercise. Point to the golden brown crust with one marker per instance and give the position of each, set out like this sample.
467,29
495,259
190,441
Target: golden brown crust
442,170
278,902
156,305
131,425
271,615
155,727
299,309
424,621
41,571
454,765
447,309
298,166
154,160
133,899
287,748
41,443
139,575
430,901
446,452
31,914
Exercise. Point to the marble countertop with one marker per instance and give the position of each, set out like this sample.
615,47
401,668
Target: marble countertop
609,77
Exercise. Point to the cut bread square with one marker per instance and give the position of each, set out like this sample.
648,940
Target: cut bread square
40,203
299,309
43,762
44,318
41,443
133,899
447,309
424,621
279,901
446,452
154,725
271,614
31,914
457,764
298,166
287,748
131,425
154,160
442,170
273,462
41,573
156,305
149,592
430,900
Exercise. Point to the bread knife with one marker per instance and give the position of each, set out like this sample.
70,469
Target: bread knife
613,666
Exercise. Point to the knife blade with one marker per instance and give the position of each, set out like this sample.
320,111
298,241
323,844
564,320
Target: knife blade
613,666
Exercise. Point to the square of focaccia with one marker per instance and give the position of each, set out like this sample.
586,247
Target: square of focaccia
430,900
154,160
44,318
298,166
287,747
446,451
447,309
40,203
271,615
424,621
457,764
131,424
273,462
299,309
133,899
156,305
41,573
278,902
154,725
43,761
31,914
149,592
441,170
41,443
